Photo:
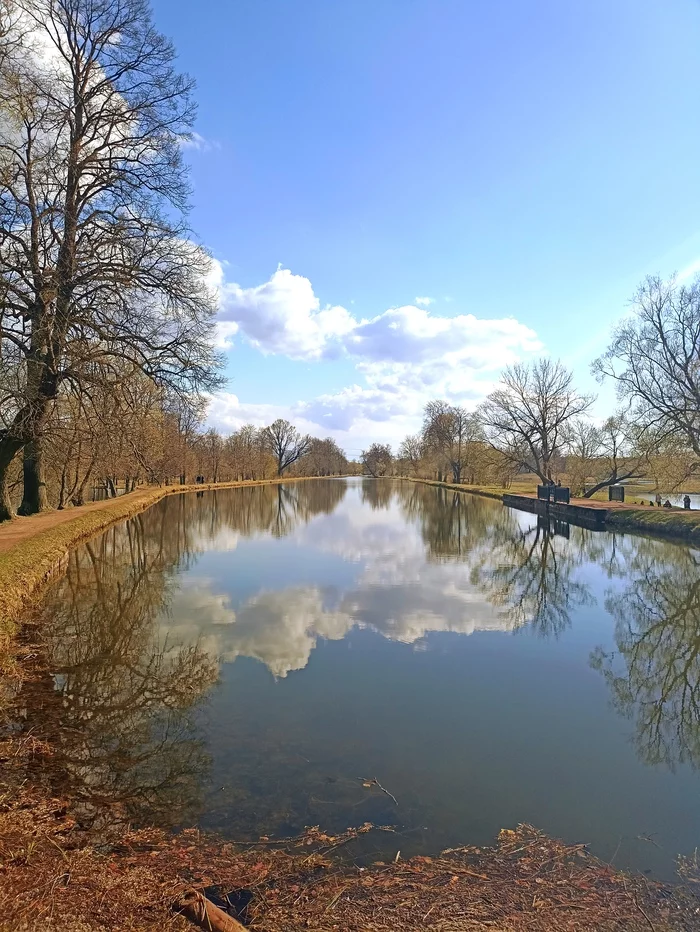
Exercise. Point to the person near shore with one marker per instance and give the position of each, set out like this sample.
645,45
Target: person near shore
658,500
667,504
686,502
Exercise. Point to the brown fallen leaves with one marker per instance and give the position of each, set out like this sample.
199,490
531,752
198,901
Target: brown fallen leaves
53,877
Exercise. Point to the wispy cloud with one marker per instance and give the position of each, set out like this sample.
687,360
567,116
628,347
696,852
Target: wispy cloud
198,143
424,301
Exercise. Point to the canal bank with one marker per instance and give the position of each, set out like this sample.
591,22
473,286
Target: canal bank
33,549
55,877
675,523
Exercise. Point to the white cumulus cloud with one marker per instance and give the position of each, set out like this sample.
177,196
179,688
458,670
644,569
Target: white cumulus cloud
284,316
403,357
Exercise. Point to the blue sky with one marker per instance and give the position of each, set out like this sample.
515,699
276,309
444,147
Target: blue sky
522,165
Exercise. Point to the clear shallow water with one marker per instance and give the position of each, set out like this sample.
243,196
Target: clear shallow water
245,659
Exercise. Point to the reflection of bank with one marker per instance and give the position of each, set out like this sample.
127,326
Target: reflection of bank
551,525
591,515
521,568
124,699
655,678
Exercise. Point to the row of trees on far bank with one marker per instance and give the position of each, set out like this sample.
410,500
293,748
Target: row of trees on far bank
535,421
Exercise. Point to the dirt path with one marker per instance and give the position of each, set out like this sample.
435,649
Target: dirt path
21,529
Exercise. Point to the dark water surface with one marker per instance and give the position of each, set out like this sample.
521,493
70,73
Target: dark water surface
245,659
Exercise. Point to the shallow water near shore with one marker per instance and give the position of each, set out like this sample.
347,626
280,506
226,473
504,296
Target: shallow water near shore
336,652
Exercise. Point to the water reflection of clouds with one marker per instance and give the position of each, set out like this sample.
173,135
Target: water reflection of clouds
358,535
399,594
279,628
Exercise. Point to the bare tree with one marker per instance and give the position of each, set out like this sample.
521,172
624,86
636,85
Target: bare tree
411,452
452,433
671,462
527,418
246,453
211,448
187,414
96,265
582,453
605,455
285,443
654,358
324,458
377,460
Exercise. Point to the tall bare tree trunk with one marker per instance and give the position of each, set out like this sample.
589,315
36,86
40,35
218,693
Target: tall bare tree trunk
34,498
41,390
62,492
8,449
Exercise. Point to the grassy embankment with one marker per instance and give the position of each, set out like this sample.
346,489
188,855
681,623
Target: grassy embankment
524,487
32,549
663,522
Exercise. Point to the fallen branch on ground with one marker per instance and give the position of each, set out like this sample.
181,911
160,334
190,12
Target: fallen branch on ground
203,913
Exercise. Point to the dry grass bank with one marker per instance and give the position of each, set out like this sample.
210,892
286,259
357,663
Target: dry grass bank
53,877
33,549
485,490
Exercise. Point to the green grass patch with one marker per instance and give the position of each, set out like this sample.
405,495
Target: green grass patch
664,521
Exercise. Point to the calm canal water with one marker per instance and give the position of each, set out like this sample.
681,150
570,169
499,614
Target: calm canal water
247,660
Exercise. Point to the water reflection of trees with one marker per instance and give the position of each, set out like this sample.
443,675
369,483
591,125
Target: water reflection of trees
296,504
525,567
276,509
452,524
378,493
655,681
126,696
126,736
532,571
530,568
